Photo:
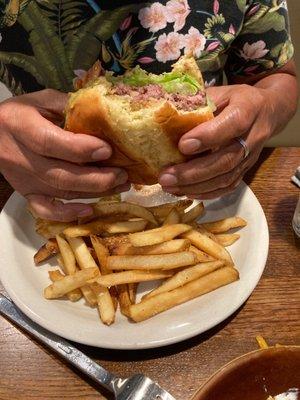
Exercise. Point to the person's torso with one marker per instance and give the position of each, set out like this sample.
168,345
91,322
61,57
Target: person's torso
47,43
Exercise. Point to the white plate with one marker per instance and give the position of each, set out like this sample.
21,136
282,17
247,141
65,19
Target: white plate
24,282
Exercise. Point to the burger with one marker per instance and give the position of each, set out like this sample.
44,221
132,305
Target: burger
142,115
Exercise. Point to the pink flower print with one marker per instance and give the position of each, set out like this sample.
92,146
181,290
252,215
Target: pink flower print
254,51
154,17
126,23
213,46
168,46
145,60
177,11
194,42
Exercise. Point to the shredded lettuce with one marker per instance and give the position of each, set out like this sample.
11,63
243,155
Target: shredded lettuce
172,82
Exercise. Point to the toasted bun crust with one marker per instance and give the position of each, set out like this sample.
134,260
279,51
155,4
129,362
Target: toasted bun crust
144,139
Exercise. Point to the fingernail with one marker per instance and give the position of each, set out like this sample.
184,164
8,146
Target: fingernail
168,180
101,154
85,212
190,146
122,177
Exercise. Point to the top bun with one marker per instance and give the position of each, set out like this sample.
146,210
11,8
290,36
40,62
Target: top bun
144,133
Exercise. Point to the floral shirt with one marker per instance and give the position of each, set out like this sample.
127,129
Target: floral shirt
47,43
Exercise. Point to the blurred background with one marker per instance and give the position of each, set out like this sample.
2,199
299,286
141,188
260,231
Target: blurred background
291,135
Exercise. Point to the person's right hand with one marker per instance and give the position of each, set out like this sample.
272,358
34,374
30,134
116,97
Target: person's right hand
42,161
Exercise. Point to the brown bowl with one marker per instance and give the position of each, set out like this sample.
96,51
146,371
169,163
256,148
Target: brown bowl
255,376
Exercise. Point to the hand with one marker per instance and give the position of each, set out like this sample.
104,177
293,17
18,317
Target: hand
242,110
42,161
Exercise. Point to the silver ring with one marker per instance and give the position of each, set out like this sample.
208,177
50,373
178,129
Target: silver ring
244,145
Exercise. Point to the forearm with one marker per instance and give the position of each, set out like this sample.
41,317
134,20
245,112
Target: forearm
283,97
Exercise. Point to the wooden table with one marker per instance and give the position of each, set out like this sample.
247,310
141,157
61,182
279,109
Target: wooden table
29,371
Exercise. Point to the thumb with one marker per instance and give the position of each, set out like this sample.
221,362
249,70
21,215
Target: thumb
48,208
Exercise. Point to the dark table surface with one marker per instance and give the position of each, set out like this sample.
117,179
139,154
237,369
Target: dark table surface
29,371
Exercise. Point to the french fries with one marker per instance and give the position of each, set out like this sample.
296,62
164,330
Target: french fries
201,255
74,295
154,261
70,282
125,244
164,301
227,239
49,249
224,225
67,255
49,229
99,226
193,214
183,277
160,212
171,246
132,276
172,218
204,243
115,208
158,235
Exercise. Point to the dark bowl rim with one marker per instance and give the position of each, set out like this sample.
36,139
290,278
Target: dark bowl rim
212,378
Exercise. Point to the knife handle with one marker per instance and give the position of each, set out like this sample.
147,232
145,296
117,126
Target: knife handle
59,345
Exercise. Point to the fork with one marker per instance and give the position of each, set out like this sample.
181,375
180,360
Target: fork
137,387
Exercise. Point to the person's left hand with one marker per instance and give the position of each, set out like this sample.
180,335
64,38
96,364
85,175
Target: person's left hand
242,111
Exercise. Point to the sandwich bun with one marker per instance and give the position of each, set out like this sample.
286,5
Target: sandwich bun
144,136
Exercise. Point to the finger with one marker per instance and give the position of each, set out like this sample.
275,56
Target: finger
63,176
47,101
203,168
45,138
218,192
48,208
235,120
220,182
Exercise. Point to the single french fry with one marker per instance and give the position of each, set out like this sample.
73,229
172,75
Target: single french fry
99,226
160,212
153,261
149,307
132,288
89,295
114,296
186,275
158,235
172,218
67,255
171,246
56,275
204,231
105,303
70,282
227,239
224,225
101,252
124,299
112,242
48,250
49,229
81,252
201,256
193,214
134,210
132,276
204,243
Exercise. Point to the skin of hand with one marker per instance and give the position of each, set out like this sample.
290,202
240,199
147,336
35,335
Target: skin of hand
255,111
44,162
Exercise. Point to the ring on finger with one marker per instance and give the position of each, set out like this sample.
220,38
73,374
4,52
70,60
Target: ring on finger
243,143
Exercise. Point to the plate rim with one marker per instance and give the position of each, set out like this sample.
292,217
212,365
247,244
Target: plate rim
141,344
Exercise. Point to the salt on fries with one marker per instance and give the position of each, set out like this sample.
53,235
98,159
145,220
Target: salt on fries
124,244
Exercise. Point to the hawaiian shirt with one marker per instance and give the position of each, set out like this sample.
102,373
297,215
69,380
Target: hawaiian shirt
48,43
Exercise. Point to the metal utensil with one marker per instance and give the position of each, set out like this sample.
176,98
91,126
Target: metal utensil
137,387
